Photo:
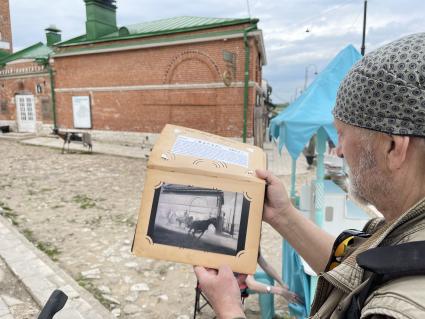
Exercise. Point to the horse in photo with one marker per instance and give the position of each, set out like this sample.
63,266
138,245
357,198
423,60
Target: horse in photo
201,226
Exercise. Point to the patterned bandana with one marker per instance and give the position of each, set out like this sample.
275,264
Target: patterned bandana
385,91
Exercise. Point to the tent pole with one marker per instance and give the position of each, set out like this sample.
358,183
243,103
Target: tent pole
320,175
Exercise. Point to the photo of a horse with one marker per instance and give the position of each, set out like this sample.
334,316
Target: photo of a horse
199,218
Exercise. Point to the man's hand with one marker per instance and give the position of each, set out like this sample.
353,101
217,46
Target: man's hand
221,290
276,203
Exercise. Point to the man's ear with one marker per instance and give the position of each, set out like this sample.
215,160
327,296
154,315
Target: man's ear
397,151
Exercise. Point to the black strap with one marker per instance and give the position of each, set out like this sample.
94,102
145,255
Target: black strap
385,264
55,303
395,261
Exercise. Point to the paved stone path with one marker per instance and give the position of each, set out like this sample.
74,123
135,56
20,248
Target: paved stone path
41,277
81,209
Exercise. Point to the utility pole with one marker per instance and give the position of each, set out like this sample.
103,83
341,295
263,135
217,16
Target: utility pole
364,28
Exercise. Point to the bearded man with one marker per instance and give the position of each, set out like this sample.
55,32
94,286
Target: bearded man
380,119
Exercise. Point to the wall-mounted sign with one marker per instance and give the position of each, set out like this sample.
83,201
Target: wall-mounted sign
39,89
81,111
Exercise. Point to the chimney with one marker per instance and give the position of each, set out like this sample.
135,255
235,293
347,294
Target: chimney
53,35
101,18
5,29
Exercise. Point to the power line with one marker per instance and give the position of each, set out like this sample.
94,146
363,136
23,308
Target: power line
322,13
249,9
355,21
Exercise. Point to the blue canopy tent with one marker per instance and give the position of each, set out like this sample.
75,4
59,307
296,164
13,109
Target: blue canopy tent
311,114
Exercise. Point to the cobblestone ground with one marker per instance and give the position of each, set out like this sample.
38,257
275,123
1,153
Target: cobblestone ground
15,302
81,210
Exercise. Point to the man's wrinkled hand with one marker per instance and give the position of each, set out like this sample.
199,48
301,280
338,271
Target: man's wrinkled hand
276,203
222,291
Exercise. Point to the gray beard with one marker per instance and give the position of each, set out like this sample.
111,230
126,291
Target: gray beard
366,183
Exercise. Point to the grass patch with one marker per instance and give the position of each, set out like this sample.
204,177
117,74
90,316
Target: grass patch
87,284
28,233
84,201
48,248
9,214
121,219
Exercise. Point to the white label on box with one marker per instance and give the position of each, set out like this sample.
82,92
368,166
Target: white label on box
203,149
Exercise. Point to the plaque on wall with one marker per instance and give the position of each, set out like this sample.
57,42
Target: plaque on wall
81,111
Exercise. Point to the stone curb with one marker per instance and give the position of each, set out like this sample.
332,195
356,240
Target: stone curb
41,276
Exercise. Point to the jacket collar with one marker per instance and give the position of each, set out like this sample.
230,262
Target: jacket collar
349,274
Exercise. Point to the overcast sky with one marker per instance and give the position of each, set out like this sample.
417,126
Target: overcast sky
333,24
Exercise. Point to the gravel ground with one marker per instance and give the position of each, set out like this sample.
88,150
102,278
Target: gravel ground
81,210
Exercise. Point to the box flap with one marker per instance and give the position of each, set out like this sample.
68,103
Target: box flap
195,152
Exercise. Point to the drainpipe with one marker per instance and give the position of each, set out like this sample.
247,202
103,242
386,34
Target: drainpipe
52,89
245,95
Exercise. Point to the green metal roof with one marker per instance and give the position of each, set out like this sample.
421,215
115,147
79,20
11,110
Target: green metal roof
4,54
36,51
162,27
178,24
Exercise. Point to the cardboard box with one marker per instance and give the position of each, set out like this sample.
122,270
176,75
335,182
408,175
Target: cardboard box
202,202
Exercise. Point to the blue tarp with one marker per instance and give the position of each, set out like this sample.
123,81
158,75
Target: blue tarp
313,109
297,281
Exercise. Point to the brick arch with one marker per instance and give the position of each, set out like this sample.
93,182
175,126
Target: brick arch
192,66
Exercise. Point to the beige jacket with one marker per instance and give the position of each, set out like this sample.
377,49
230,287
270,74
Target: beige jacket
401,298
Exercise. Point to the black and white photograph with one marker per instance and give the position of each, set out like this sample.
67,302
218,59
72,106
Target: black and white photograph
199,218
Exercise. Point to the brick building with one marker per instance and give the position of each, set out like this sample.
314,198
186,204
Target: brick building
134,79
5,29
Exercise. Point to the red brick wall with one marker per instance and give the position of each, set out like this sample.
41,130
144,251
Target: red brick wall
217,110
5,24
21,82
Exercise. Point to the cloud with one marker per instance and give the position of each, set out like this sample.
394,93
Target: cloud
333,25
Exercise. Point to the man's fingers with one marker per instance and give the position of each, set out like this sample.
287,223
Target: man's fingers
262,173
225,270
267,176
200,272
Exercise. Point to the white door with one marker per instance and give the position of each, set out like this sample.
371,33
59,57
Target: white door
25,110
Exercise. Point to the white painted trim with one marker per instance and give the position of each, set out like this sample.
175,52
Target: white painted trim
20,61
162,44
4,45
259,36
215,85
21,76
7,122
